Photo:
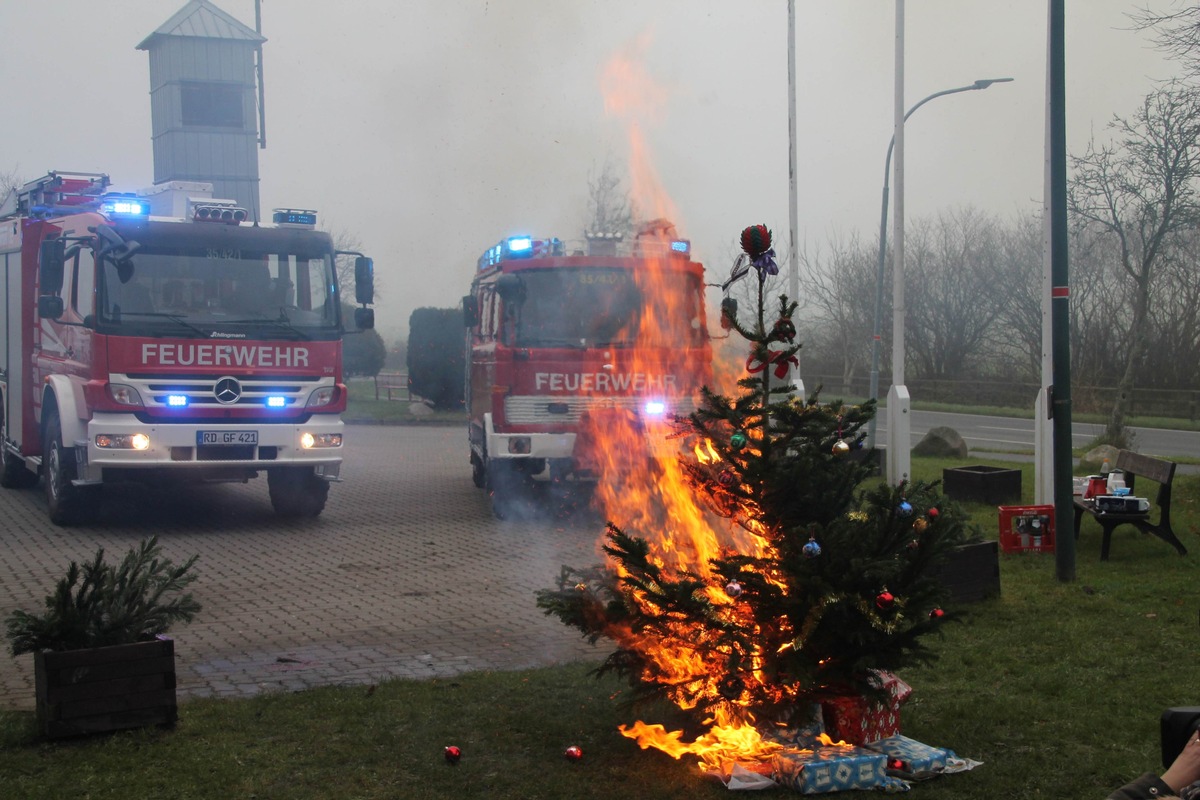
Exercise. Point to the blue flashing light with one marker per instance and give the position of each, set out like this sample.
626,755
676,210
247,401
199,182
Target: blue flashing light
520,244
276,401
177,400
125,207
681,246
655,408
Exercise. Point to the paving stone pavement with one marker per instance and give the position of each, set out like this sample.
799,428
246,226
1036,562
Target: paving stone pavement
405,575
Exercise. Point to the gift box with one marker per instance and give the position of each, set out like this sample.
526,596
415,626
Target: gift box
857,720
806,725
829,769
910,759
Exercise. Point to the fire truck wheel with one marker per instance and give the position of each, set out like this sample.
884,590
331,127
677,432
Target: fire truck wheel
296,491
66,504
504,484
478,473
13,474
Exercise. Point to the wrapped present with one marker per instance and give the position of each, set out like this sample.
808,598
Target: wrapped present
907,758
806,725
830,769
857,720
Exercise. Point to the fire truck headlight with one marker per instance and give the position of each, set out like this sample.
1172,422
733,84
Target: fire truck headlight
310,440
124,394
321,397
655,408
519,445
123,441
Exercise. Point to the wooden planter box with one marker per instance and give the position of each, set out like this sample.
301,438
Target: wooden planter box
995,486
105,688
972,572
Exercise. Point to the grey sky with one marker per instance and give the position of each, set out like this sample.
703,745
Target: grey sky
430,129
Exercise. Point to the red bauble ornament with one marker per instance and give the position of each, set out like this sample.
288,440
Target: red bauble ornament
756,240
932,513
573,753
453,754
784,330
885,599
937,613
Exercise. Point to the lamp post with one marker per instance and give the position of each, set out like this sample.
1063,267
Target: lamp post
979,84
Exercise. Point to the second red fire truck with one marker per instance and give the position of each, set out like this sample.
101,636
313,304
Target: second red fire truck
555,335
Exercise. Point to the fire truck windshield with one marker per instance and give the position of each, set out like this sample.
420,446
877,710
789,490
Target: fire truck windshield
196,279
606,306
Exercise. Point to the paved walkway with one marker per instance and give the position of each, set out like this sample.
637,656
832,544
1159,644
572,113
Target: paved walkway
405,575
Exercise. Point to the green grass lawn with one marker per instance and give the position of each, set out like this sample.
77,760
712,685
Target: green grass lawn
1056,687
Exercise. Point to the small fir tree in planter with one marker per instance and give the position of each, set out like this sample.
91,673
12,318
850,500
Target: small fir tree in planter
101,661
839,583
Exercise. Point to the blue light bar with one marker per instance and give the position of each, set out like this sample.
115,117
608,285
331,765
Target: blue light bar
655,408
177,400
125,207
681,246
295,216
276,401
520,244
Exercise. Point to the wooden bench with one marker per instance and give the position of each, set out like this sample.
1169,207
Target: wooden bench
1135,465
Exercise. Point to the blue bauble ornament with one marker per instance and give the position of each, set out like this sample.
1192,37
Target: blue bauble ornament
812,549
905,508
738,440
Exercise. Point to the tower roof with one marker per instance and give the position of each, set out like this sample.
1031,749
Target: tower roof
201,19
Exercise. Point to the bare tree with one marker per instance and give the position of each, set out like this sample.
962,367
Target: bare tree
1140,191
951,292
839,294
1018,345
1176,33
348,241
608,207
10,181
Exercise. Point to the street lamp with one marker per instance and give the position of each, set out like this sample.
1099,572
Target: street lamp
887,167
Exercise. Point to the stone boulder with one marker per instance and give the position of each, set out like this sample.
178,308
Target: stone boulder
941,442
1093,459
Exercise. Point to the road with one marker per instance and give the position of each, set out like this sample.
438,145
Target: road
1010,434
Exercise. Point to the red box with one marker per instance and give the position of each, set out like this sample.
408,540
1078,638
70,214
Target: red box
1027,529
858,721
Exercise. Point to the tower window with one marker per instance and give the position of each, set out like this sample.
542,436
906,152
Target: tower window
212,104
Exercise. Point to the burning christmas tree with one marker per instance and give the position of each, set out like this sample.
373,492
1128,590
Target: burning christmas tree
814,585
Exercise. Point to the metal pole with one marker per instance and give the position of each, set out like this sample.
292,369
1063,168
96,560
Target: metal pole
1064,511
877,333
793,210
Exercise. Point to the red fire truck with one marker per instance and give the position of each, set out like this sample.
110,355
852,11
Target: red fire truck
203,345
554,337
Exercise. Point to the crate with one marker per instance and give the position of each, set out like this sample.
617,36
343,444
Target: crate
1020,526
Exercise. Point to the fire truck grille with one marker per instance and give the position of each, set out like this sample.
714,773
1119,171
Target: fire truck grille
541,409
219,391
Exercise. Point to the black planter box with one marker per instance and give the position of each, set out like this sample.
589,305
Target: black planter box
105,688
972,572
981,484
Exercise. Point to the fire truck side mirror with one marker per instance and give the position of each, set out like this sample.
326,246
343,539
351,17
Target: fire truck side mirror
364,318
50,306
364,280
470,311
53,258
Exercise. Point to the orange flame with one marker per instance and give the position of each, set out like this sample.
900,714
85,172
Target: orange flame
642,485
726,742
